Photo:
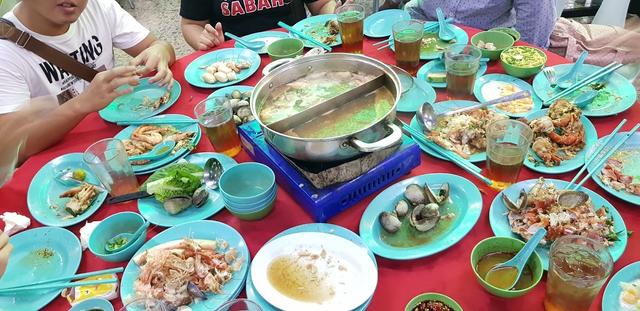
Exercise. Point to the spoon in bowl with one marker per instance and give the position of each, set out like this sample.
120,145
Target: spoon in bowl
159,151
113,244
212,172
254,45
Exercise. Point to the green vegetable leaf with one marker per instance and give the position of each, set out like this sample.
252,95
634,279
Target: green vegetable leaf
180,179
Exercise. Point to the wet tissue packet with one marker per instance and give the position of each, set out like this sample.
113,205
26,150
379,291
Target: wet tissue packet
85,233
14,222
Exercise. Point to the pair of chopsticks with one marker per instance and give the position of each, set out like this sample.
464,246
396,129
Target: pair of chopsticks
54,283
596,154
156,121
586,81
304,36
427,27
458,160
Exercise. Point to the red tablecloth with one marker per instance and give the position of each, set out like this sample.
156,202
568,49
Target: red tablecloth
448,272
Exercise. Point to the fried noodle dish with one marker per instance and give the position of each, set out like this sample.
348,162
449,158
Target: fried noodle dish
145,137
542,207
559,135
182,271
464,133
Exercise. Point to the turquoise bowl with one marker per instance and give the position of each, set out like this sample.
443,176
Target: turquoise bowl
249,207
93,304
247,183
112,226
259,214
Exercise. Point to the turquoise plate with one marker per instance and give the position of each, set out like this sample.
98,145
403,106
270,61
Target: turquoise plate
155,165
153,211
591,137
127,107
315,24
26,266
488,87
467,208
500,224
227,90
623,94
611,296
203,229
379,24
44,191
438,66
267,37
253,294
442,107
194,71
419,93
460,37
93,304
632,169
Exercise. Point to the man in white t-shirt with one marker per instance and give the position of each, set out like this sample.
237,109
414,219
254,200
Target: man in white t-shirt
86,30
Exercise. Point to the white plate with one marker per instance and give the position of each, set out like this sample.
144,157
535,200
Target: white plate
352,286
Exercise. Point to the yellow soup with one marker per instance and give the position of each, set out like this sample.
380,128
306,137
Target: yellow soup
503,276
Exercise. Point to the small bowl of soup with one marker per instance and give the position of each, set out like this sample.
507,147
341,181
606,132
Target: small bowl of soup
495,250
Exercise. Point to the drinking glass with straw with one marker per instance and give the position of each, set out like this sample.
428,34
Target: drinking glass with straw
508,143
351,21
109,161
216,118
407,37
462,63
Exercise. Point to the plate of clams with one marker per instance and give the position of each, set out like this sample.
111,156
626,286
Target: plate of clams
420,216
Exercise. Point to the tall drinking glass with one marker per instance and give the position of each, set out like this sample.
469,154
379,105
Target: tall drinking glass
109,161
461,62
407,37
145,304
351,20
507,144
578,267
216,118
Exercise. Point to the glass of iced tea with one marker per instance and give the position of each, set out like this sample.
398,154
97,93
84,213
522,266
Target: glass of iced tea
461,62
109,161
351,20
578,267
508,142
217,120
407,37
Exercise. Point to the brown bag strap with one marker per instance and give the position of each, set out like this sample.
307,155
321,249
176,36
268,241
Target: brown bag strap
8,31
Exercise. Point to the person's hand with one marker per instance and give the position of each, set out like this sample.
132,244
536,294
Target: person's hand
5,251
156,59
103,89
210,37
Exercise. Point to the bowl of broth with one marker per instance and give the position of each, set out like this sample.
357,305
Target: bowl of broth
495,250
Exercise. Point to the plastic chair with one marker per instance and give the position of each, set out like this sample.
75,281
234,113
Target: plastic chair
560,6
6,6
612,13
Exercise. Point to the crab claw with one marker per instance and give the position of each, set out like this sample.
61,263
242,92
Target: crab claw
519,205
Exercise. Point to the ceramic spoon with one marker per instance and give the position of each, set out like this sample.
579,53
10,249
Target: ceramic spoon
212,172
520,259
444,33
159,151
130,237
585,99
254,45
566,80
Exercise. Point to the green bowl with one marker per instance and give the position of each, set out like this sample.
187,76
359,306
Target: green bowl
500,39
112,226
432,296
512,32
505,244
285,48
522,71
257,215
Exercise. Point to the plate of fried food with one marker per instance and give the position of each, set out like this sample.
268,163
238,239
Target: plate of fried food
323,28
55,203
146,100
495,85
141,139
561,138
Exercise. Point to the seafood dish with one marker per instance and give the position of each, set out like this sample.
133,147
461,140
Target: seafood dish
223,71
489,46
326,33
464,133
559,135
630,295
560,212
239,102
81,198
515,106
147,136
613,173
177,186
149,104
181,272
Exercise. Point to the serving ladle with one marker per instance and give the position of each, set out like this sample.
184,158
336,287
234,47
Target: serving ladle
130,237
444,32
254,45
212,172
159,151
427,117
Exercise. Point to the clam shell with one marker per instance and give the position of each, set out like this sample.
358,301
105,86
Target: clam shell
402,208
200,197
389,222
415,194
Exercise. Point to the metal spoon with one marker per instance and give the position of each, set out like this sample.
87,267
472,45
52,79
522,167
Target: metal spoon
130,237
444,33
520,259
572,198
568,79
254,45
212,172
428,118
159,151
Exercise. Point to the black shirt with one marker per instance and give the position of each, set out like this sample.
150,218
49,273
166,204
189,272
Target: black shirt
242,17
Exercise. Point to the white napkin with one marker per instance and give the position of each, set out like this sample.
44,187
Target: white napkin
85,233
14,222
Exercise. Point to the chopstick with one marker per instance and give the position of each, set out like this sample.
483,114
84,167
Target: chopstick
427,27
56,286
586,81
67,278
304,36
596,152
155,121
608,154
